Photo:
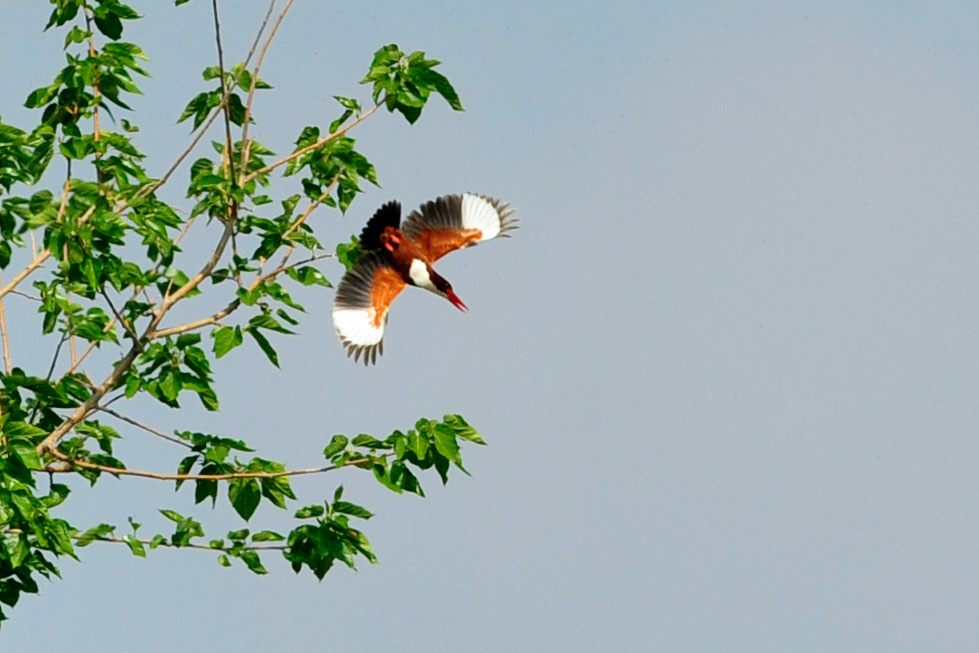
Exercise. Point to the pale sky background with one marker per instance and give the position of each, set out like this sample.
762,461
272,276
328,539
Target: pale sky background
728,366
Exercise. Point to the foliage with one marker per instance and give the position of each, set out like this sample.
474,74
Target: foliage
83,226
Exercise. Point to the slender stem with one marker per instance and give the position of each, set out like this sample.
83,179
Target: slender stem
228,159
145,427
245,143
120,471
38,260
3,333
44,254
205,547
312,207
49,443
189,545
95,82
149,190
235,304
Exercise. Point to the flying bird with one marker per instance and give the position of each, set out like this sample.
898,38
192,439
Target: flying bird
400,254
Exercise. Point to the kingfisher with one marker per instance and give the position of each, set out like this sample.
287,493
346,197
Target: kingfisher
400,254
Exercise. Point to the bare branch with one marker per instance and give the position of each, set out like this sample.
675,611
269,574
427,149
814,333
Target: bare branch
125,325
245,144
197,324
229,163
145,427
38,260
6,343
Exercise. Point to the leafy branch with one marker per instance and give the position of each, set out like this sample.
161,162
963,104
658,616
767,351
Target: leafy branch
82,222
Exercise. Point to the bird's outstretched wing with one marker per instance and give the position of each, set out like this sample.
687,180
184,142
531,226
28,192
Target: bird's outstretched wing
389,215
454,221
361,308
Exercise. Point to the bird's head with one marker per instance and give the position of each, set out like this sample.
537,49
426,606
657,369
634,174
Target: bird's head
444,288
390,239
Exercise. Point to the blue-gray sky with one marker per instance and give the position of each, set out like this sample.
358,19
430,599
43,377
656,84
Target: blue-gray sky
727,367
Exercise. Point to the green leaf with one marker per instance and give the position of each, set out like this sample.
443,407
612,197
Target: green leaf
446,443
309,276
25,451
337,444
352,509
239,535
310,511
172,515
462,429
265,346
254,563
135,546
267,536
245,495
95,533
226,338
369,441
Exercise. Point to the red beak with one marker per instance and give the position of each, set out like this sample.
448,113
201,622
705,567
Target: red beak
458,303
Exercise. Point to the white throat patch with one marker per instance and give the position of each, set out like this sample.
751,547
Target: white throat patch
419,275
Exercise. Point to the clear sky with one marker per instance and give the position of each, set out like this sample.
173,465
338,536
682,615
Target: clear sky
727,367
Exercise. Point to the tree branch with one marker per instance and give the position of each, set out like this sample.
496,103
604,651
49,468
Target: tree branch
44,254
145,427
309,148
245,144
190,545
6,343
206,547
235,304
149,190
229,163
70,464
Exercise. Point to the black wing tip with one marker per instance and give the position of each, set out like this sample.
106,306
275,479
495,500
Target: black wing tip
370,352
389,215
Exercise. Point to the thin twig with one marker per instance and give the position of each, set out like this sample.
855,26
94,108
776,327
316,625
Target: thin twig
125,325
149,190
145,427
44,254
120,471
312,207
25,295
6,343
54,359
38,260
95,82
190,545
245,144
228,156
235,304
50,442
309,148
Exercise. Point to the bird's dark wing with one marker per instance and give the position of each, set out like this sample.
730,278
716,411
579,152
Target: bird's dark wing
361,307
454,221
389,215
